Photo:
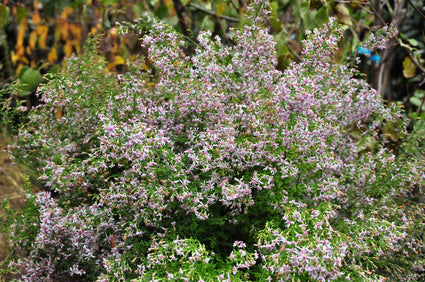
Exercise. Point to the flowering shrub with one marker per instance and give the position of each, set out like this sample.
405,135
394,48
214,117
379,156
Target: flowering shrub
220,167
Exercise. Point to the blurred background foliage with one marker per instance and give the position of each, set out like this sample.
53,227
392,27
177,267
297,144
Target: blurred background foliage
37,37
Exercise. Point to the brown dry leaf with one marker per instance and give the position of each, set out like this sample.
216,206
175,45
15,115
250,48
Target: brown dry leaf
59,112
409,68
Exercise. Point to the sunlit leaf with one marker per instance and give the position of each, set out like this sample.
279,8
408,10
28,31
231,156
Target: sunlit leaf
409,68
64,31
52,56
21,34
14,57
42,29
76,30
32,41
36,18
413,42
67,49
119,60
20,51
65,13
220,8
42,41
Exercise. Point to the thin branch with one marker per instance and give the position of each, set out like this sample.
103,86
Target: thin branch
416,63
412,58
227,18
416,8
288,44
375,11
184,25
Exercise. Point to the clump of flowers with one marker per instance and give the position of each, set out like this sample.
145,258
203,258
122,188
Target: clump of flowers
218,166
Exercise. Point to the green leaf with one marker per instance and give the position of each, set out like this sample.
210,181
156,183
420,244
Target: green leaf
4,15
419,93
322,15
207,23
274,6
417,98
413,42
415,101
108,2
138,9
281,39
162,12
54,69
29,79
21,13
153,2
296,11
409,68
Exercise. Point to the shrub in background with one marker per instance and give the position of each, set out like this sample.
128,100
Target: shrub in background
220,166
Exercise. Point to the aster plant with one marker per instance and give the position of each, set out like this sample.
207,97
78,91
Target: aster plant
219,167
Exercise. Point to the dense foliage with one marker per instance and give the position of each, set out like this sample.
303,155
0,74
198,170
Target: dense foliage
217,165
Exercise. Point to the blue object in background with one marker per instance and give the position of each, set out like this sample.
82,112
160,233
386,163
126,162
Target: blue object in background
375,58
363,51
